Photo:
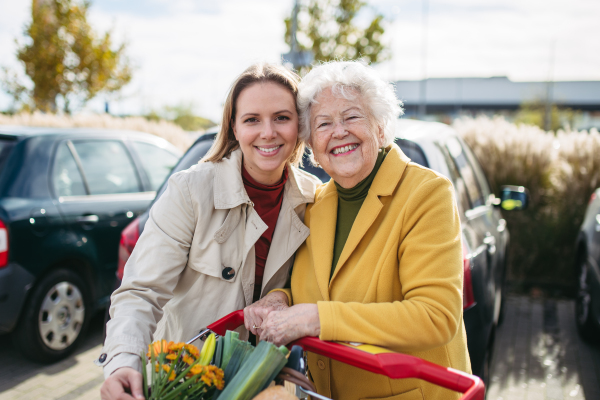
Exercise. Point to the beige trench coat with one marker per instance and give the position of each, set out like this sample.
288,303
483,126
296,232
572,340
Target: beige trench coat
173,283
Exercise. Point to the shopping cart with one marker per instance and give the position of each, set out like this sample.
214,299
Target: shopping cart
372,359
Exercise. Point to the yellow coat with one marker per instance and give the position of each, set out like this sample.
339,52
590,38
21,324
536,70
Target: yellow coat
398,282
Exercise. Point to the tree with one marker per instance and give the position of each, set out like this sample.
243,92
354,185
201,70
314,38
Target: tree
327,28
64,57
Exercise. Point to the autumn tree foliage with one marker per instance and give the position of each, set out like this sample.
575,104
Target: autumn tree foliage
329,29
64,57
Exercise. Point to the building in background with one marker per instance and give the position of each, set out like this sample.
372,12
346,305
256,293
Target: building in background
449,98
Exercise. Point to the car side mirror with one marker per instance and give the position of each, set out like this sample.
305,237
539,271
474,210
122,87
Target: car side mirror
514,198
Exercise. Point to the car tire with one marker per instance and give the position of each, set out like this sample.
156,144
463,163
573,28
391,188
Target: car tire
587,327
55,317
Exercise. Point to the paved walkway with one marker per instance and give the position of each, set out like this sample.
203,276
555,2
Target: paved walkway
538,356
75,378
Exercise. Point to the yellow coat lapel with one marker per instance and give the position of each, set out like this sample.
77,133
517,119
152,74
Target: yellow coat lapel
323,236
384,184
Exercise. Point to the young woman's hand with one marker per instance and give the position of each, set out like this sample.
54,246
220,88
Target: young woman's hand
256,313
120,382
285,326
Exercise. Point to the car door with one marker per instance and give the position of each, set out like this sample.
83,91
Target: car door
99,192
481,232
157,162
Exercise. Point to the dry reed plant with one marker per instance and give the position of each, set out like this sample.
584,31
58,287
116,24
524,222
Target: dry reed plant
164,129
560,170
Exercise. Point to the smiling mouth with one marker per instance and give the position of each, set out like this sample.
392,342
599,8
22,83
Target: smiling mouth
344,149
268,149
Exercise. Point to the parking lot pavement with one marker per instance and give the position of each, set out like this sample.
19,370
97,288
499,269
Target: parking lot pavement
75,378
537,356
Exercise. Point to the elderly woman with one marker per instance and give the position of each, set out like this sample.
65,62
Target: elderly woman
383,262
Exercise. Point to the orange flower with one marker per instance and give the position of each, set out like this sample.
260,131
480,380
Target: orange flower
191,349
172,357
172,376
188,360
197,369
166,368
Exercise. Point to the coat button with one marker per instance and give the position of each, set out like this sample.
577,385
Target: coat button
102,357
228,273
321,364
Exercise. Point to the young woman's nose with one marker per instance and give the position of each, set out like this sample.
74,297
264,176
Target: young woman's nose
268,131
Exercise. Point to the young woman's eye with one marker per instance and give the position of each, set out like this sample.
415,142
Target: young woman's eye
282,118
251,119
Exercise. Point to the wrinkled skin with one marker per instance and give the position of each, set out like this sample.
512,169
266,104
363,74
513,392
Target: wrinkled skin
289,324
256,313
124,384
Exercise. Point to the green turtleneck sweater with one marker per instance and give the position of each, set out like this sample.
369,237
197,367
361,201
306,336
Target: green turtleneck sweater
349,203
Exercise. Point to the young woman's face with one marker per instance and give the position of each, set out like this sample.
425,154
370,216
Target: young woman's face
266,127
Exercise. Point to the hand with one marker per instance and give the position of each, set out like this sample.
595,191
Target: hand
256,313
122,382
285,326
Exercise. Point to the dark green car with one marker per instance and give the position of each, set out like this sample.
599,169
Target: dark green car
65,197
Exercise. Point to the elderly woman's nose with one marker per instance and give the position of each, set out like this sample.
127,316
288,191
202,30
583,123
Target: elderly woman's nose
268,131
339,130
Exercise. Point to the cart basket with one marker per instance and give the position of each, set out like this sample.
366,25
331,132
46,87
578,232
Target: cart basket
392,365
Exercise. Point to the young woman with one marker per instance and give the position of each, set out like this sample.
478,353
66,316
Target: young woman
222,235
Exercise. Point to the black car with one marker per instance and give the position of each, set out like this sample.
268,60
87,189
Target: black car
65,196
588,272
485,236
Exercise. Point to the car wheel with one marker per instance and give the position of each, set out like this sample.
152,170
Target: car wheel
55,317
586,325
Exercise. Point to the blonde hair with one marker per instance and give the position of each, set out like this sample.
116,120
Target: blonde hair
225,142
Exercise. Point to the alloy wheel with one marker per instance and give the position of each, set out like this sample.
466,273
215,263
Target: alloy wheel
61,316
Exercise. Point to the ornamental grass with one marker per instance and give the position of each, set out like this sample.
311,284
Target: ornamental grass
561,170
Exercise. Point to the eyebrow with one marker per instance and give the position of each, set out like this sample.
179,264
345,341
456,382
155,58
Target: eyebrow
345,111
255,114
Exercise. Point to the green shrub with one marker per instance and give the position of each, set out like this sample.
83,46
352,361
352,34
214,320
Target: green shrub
561,172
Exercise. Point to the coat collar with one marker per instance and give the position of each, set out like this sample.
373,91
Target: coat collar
324,215
229,191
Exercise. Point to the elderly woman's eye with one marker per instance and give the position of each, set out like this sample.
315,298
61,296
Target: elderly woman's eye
322,124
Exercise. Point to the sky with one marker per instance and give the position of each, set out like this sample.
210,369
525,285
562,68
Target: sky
190,51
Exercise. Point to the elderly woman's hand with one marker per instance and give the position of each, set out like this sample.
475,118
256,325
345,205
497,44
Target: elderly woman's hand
285,326
255,314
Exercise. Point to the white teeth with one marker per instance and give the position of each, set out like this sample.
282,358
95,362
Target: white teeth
344,149
269,150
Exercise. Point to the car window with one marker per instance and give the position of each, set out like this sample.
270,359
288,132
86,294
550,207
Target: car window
5,150
481,178
413,151
466,172
157,162
462,198
66,178
107,167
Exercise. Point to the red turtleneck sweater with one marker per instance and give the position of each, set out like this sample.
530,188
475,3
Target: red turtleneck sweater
267,203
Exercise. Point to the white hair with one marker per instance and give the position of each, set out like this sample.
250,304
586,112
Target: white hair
345,78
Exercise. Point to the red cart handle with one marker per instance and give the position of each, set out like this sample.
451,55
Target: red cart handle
392,365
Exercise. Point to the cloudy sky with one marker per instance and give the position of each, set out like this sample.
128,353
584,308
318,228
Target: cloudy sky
190,50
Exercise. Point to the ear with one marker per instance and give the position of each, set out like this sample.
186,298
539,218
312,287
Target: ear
381,135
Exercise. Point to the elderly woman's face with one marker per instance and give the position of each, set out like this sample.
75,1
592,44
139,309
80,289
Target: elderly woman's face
344,138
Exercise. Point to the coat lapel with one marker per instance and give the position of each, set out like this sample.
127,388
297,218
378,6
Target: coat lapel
384,184
323,216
